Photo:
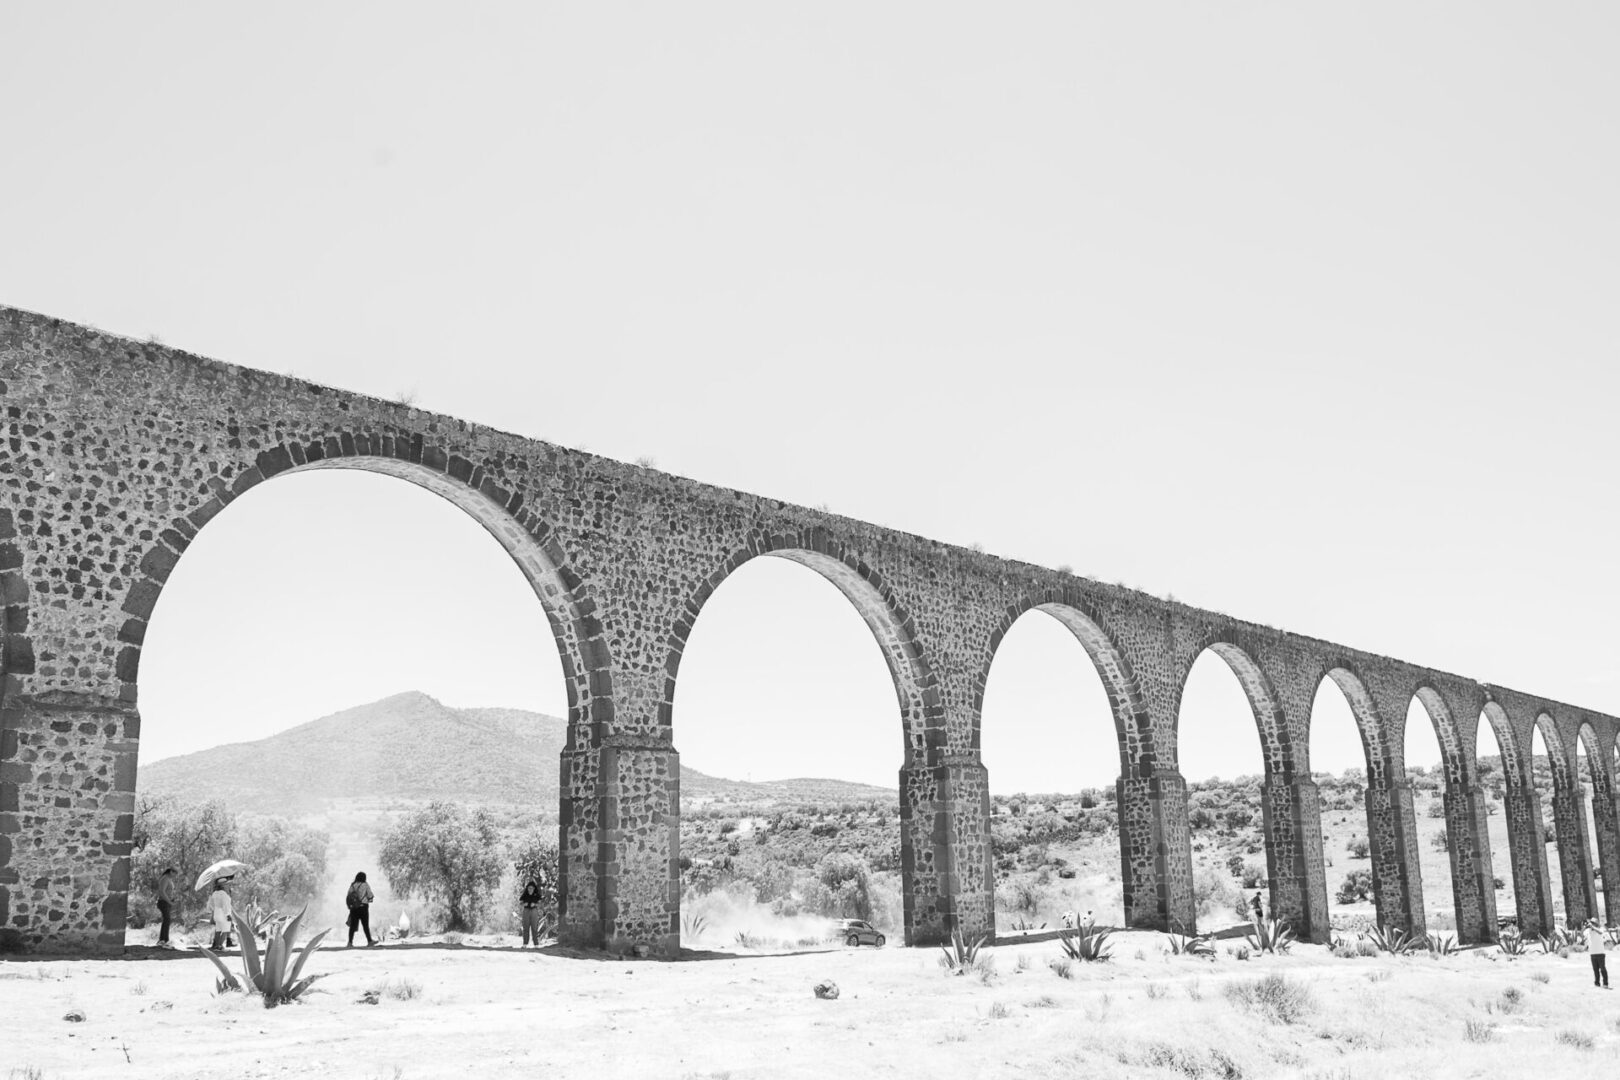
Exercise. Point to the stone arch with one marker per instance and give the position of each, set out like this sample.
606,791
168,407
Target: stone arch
1280,751
1458,762
921,713
1133,727
1558,760
1515,765
527,539
1597,762
1382,751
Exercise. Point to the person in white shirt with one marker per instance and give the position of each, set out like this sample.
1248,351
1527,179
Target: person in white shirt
219,906
1596,946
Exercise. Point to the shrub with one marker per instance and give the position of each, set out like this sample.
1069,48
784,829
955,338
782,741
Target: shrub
1356,886
1580,1040
446,855
1437,808
1440,841
1511,1001
1275,997
1357,847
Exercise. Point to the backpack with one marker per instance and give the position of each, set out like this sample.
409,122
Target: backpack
354,896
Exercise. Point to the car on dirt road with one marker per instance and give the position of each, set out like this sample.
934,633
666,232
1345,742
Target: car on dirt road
859,932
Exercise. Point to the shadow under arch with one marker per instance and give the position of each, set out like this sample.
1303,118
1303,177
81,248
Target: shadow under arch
527,539
929,874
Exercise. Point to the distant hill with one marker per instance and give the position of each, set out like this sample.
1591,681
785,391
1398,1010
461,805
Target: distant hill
411,747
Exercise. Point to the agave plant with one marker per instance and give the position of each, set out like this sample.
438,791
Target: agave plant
1442,945
1025,926
1270,935
277,977
1511,944
693,925
961,957
1394,940
1191,945
1086,943
259,920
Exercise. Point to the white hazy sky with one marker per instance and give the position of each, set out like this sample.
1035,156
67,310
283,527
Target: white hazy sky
1301,312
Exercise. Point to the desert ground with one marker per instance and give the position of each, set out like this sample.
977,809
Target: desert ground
486,1008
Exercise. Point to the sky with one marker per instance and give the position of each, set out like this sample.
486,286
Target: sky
1301,313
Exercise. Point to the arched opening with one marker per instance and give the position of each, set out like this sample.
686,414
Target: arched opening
1509,800
330,654
1594,787
1049,742
1553,784
1228,711
1427,776
1339,765
790,740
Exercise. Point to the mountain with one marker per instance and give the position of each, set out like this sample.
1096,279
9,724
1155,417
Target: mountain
411,747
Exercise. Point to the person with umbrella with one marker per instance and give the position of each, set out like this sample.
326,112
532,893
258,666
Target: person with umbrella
219,905
219,901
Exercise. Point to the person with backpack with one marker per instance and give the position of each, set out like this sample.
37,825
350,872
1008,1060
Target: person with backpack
166,898
359,899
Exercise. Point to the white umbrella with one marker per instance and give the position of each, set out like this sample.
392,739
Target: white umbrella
223,868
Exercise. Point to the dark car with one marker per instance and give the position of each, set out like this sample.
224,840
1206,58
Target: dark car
859,932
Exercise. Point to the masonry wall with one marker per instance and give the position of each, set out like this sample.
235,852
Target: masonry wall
116,454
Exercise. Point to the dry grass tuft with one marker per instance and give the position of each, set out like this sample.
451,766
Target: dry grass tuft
1479,1031
1275,997
1580,1040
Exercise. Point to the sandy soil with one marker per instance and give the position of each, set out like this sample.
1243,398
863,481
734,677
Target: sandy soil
500,1011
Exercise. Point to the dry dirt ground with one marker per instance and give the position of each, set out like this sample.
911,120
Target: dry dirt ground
497,1011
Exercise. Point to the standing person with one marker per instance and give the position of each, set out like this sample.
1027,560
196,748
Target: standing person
530,902
359,899
166,897
1596,946
219,905
1259,911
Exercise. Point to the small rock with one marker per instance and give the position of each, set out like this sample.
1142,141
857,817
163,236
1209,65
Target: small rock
827,991
74,1016
367,998
162,1006
641,949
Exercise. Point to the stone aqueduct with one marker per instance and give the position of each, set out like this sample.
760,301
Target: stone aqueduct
116,453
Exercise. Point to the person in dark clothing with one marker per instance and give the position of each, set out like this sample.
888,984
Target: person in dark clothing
166,901
1259,911
529,902
360,898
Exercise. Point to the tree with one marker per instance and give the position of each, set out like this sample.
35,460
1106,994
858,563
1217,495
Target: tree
446,855
185,835
848,881
288,861
536,860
